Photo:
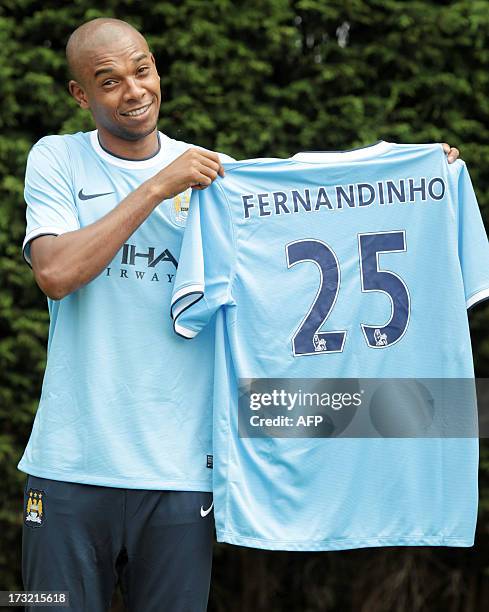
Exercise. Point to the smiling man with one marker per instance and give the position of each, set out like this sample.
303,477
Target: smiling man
119,459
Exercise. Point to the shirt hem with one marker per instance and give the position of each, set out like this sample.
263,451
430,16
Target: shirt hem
119,483
343,544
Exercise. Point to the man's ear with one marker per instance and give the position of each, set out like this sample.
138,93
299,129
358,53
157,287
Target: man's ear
77,91
154,63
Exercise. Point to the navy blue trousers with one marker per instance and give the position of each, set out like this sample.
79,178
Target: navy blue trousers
84,539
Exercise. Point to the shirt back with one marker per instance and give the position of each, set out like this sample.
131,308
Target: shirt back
351,265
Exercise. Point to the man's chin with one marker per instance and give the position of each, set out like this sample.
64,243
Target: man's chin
136,133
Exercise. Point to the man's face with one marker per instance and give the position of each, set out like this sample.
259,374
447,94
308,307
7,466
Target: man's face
121,88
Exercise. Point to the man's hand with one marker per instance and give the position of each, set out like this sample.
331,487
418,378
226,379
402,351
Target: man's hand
195,168
452,152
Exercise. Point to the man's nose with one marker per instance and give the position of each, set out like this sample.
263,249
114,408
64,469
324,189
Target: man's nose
133,89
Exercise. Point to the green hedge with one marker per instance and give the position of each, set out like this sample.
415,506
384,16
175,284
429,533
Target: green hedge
256,78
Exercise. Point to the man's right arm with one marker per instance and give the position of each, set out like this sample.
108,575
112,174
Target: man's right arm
64,263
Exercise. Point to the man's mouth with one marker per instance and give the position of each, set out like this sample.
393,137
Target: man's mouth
137,112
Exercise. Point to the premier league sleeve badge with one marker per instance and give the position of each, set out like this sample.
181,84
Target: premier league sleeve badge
35,510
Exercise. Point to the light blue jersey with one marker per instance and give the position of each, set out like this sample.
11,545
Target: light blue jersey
125,403
344,265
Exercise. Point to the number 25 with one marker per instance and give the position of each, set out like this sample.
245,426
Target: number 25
308,340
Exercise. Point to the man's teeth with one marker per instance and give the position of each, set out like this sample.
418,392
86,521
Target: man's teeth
137,112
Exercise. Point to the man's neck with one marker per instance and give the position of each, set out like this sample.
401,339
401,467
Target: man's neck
143,148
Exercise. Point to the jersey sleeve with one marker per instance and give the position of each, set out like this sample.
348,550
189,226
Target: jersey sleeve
473,246
48,193
207,260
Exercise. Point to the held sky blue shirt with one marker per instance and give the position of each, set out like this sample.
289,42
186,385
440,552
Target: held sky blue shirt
343,265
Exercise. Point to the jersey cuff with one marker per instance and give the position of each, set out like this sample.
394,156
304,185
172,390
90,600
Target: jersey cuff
47,230
182,300
477,297
182,331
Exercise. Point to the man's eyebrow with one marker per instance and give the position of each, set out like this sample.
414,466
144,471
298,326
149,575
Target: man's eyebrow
140,57
103,71
110,70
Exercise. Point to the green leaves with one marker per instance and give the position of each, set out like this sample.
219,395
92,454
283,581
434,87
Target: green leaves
255,78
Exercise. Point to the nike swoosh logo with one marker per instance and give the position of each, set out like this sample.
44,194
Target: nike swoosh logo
206,512
85,196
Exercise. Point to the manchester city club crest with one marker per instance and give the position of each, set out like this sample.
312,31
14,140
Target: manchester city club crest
180,207
35,510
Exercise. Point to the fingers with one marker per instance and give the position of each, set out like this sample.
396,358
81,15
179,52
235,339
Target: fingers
453,155
207,167
452,152
204,175
195,168
211,159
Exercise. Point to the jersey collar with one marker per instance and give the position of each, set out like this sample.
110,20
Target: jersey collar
340,156
156,160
